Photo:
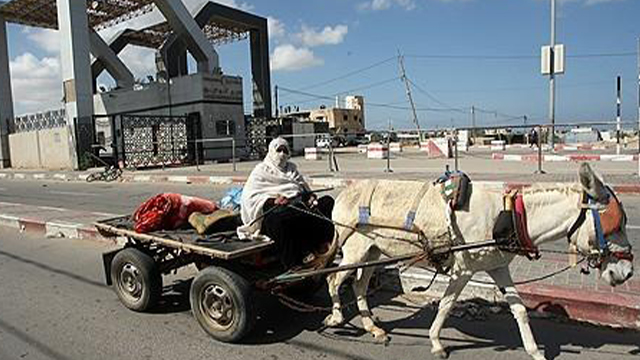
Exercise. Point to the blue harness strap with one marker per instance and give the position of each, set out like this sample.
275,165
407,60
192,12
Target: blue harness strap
602,242
408,221
364,212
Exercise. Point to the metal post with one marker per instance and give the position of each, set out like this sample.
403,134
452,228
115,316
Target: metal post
276,99
552,84
330,152
618,83
540,171
473,123
233,153
638,106
388,169
455,147
197,156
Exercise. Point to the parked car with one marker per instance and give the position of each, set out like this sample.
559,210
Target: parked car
325,141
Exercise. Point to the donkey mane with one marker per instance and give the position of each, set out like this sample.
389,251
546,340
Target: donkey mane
567,189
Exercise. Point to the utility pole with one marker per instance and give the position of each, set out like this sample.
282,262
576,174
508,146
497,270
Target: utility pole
638,106
276,99
618,115
403,77
552,84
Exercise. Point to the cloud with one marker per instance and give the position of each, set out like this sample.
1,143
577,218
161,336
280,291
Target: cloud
141,61
276,28
309,37
291,58
47,40
36,83
595,2
377,5
238,5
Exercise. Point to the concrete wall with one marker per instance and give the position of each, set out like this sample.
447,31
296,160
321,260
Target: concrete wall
42,149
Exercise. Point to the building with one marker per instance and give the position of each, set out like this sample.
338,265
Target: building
349,119
176,117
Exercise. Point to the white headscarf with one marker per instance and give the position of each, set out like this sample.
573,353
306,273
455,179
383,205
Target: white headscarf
274,176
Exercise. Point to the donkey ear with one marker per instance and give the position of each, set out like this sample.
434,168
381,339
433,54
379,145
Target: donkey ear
591,183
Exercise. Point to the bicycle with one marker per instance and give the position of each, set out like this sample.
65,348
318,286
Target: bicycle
110,173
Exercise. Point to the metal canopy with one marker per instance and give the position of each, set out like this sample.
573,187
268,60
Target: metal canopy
103,14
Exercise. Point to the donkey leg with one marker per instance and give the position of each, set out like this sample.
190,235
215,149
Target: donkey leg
360,287
502,278
355,250
457,283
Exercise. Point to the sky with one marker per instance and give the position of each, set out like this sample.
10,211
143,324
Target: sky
457,54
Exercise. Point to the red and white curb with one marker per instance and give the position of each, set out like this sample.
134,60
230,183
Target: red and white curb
561,158
58,229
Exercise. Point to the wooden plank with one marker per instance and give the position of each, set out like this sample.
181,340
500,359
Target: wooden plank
192,247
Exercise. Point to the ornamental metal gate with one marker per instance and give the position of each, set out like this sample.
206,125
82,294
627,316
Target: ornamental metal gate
155,140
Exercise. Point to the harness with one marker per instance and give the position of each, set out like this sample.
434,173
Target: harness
511,230
604,225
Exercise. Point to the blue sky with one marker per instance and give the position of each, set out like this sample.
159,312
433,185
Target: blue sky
458,53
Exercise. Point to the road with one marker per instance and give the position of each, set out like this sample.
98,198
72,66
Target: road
53,305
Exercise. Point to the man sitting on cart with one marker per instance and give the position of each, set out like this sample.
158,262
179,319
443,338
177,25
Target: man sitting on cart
276,201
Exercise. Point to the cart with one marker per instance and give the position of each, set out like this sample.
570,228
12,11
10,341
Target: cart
230,270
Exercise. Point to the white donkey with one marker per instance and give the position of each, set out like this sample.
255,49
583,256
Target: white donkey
551,212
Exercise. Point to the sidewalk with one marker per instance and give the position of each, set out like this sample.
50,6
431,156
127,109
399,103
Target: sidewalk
580,297
408,165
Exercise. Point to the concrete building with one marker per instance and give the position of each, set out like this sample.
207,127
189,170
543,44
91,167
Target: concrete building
348,119
171,119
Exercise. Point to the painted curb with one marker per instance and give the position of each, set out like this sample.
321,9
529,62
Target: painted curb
557,158
596,307
52,229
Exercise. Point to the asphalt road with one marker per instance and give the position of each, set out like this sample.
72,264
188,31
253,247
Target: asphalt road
53,305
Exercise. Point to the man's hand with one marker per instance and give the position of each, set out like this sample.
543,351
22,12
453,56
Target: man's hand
281,200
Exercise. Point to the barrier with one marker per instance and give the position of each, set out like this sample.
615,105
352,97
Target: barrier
377,151
395,147
312,153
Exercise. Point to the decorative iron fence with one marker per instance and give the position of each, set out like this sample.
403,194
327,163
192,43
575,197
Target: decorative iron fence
39,121
152,140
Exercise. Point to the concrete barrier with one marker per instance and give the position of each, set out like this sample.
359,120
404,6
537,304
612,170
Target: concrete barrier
395,147
312,153
498,145
377,151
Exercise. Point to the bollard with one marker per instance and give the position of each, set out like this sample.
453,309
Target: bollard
540,171
197,156
455,149
388,169
233,153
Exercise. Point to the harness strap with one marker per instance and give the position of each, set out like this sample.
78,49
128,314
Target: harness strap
581,218
411,215
602,242
521,227
364,207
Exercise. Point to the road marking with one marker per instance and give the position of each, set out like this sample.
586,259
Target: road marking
73,193
634,227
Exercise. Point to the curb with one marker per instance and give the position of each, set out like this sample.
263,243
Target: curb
562,158
629,188
596,307
57,229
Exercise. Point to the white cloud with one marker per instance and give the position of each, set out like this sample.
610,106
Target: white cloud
377,5
141,61
290,58
36,83
47,40
328,36
238,5
276,28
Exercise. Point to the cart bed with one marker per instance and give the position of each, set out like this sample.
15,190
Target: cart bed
225,245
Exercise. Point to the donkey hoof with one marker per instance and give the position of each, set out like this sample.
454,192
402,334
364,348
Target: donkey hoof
380,337
332,320
440,354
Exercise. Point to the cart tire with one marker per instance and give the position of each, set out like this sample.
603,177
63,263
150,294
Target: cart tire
136,279
221,301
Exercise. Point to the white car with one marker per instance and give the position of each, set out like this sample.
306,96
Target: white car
324,142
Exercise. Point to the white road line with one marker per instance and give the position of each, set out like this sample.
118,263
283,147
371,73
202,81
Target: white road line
634,227
72,193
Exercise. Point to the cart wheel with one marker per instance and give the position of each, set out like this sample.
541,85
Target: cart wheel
112,174
221,302
136,279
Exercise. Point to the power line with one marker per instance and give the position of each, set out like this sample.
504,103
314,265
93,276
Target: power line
436,99
364,87
349,74
517,57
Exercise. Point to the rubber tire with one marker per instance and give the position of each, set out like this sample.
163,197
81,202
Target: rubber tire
151,279
240,292
112,174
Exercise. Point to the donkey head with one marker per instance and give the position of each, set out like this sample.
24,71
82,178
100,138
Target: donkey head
611,252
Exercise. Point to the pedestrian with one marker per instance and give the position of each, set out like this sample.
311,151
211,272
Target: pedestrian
533,137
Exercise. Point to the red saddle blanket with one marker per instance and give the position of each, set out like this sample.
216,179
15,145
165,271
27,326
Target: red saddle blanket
169,212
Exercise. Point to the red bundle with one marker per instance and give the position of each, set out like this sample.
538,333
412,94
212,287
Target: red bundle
169,212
